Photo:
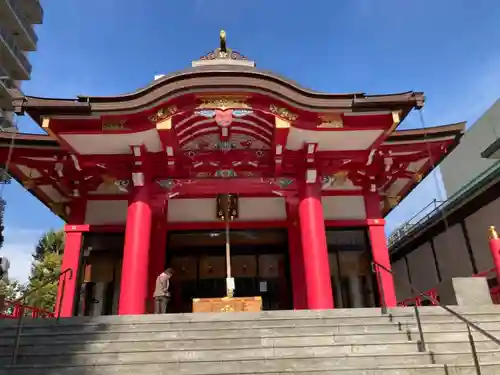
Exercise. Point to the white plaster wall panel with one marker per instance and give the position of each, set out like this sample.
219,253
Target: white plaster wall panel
403,290
192,210
106,212
344,208
422,268
332,141
87,144
452,255
251,209
477,227
52,193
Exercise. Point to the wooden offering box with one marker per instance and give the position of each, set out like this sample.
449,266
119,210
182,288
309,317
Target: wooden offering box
249,304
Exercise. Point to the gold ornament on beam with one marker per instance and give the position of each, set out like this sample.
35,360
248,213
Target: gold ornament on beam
163,113
396,119
114,126
417,177
224,103
332,121
283,113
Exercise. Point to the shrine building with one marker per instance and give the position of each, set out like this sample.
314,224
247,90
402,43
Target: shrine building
140,180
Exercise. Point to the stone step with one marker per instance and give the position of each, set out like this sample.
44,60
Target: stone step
345,326
432,312
236,338
210,346
88,334
166,325
159,369
451,331
233,361
465,357
231,325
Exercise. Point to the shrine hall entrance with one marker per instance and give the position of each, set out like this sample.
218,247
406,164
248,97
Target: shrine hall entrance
259,265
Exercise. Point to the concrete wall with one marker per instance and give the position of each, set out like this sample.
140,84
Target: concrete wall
401,280
423,272
452,254
467,155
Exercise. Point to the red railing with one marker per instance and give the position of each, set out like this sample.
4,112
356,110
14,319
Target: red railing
13,310
420,300
495,295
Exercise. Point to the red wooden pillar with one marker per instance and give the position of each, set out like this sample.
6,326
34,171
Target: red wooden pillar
495,251
158,252
318,283
380,251
135,267
68,282
296,257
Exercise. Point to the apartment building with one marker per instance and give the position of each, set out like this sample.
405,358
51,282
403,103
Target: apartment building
17,38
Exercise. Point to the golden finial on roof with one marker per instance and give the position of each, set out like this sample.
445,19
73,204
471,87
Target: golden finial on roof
223,41
493,233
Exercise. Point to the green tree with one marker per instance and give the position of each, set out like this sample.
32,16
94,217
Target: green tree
12,289
47,259
50,242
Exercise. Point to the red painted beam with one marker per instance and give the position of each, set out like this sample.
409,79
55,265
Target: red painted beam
219,225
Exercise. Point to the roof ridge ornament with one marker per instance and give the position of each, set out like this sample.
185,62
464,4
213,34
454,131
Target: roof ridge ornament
223,56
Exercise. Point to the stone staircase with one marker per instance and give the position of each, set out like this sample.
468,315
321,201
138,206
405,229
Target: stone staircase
337,342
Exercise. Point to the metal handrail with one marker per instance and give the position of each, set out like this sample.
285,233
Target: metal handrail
444,307
421,343
20,300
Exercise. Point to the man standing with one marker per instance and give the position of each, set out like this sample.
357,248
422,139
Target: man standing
162,293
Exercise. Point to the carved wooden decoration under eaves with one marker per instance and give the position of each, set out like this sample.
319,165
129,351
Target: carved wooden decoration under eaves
333,121
163,113
116,125
283,113
224,103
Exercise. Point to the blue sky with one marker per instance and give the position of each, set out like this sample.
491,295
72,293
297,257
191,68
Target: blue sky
446,48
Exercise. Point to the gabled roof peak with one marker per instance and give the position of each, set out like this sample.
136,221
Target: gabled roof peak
223,56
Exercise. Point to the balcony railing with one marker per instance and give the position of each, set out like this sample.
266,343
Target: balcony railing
11,43
5,79
415,221
18,11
